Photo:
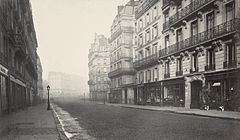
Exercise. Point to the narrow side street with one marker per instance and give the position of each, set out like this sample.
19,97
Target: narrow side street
109,122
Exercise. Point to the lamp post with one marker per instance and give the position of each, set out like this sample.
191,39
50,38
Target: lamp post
48,107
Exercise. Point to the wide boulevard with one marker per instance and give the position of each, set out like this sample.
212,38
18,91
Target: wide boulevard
118,123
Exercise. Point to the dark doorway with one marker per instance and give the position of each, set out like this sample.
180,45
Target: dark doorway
125,96
135,95
196,87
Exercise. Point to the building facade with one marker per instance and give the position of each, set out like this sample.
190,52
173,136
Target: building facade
40,80
149,40
18,59
99,65
122,73
66,85
197,52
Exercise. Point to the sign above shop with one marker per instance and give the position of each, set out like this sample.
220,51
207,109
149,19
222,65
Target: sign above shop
3,70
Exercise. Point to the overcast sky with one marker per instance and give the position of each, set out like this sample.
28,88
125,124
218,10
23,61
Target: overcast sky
65,29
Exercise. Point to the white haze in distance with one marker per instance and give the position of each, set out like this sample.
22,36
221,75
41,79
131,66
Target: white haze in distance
65,29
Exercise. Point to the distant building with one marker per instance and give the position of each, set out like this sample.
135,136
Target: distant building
122,73
62,84
99,64
40,80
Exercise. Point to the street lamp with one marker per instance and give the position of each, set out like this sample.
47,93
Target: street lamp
48,107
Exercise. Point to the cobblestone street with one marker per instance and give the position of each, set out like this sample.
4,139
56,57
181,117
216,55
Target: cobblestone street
108,122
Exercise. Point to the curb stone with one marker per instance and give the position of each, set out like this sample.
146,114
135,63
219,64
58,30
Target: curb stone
61,133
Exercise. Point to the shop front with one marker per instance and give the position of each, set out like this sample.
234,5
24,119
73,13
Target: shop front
149,94
173,92
115,96
224,90
3,90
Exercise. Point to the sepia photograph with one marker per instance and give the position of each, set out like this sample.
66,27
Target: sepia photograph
119,69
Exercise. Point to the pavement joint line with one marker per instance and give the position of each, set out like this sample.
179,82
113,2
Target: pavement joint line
175,112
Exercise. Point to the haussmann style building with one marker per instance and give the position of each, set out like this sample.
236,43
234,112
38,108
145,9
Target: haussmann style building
18,57
122,73
99,65
187,47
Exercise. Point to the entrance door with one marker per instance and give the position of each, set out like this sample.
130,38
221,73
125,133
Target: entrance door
196,87
135,95
125,96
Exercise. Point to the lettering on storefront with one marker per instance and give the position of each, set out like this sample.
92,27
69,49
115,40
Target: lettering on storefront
3,70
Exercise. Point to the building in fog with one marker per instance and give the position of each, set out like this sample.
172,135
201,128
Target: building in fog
194,49
40,80
122,73
99,64
18,56
66,85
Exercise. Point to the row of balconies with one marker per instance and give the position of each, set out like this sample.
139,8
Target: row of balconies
193,7
203,37
119,31
122,56
146,5
229,64
146,62
122,71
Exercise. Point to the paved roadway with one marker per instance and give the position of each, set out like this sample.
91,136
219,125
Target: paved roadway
117,123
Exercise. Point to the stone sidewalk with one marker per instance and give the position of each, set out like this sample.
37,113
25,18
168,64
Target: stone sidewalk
179,110
32,123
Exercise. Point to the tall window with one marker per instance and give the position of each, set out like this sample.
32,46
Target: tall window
194,62
210,20
166,16
148,35
210,59
167,41
147,19
167,67
230,52
229,11
179,64
194,28
155,31
155,12
179,35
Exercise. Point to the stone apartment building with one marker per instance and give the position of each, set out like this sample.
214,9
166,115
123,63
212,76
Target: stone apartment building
197,48
99,65
149,40
18,57
121,58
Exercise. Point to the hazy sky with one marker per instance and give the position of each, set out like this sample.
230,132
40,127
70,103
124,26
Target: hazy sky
65,29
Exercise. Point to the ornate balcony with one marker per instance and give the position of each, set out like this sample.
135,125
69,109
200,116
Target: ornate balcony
230,64
122,56
121,71
210,67
193,7
218,31
167,75
18,41
146,62
142,8
179,73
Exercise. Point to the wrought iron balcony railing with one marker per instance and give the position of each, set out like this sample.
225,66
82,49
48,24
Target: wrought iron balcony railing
122,56
167,75
194,6
142,8
146,62
210,67
230,64
121,71
218,31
